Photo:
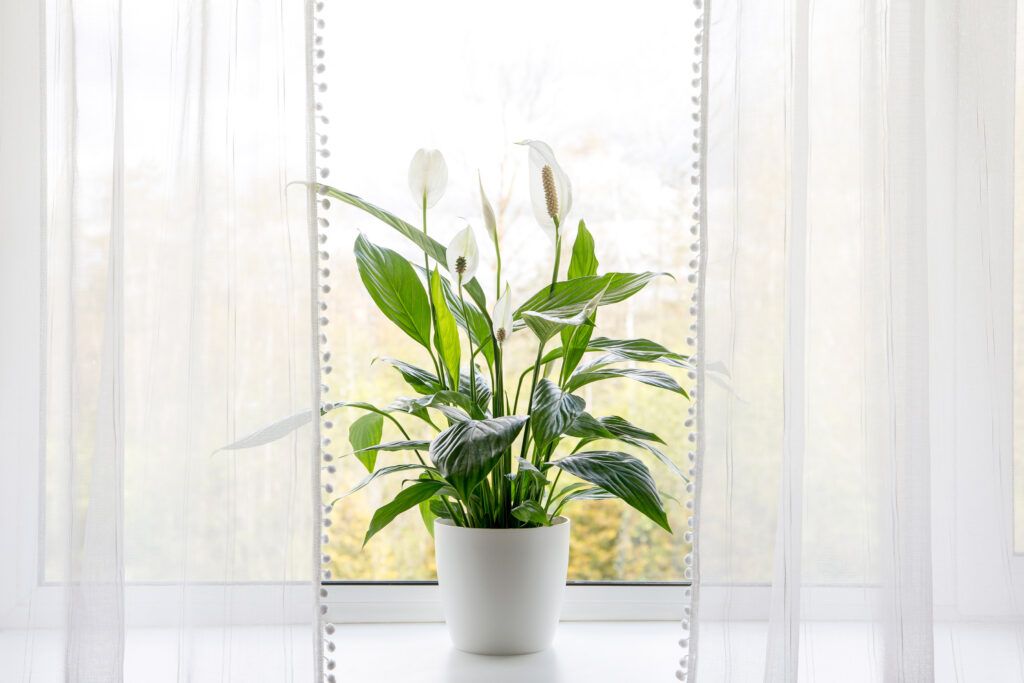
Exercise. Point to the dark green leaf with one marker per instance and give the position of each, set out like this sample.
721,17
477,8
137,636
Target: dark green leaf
584,261
553,411
571,296
654,378
528,475
531,512
407,498
364,435
420,380
589,429
586,426
482,399
623,427
446,334
622,475
392,284
466,452
439,509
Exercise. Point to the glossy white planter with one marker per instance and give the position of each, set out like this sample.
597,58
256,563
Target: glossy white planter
502,589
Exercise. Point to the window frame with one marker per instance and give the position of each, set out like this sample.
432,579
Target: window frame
420,601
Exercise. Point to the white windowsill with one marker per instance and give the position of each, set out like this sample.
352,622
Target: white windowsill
609,652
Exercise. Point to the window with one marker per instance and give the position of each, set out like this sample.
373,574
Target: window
611,91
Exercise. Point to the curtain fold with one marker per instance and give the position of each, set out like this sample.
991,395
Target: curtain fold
856,517
178,318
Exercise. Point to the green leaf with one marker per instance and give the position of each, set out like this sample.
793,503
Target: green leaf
427,244
575,346
622,427
589,429
528,474
376,474
420,380
407,498
452,404
392,284
571,296
547,325
654,378
469,318
584,261
586,426
476,293
364,435
427,515
643,350
482,399
583,493
446,335
553,411
657,453
466,452
622,475
438,508
531,512
393,446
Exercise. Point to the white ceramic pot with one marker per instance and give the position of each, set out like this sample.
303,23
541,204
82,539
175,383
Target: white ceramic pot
502,589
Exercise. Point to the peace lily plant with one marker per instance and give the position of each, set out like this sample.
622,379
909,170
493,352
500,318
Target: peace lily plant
501,458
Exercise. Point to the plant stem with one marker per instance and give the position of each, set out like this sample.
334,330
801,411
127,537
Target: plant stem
558,257
533,387
472,350
505,465
430,302
551,496
451,511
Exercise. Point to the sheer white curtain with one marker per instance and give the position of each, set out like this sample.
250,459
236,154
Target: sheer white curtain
856,498
178,318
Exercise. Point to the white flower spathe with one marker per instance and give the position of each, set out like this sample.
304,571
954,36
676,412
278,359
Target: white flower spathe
428,177
556,198
463,256
503,316
490,222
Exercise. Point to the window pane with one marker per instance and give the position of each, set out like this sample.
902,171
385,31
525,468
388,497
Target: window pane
611,91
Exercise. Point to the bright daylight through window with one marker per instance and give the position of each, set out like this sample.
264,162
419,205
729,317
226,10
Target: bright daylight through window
611,92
